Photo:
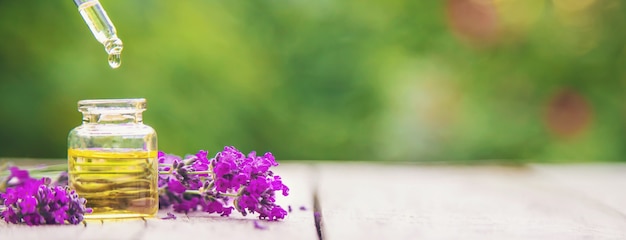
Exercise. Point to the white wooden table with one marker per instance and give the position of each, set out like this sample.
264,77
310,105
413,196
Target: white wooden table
375,201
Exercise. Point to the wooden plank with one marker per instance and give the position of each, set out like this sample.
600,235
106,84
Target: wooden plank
409,202
604,184
122,230
297,225
14,231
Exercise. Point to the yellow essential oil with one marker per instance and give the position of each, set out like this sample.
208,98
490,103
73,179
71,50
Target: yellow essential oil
116,184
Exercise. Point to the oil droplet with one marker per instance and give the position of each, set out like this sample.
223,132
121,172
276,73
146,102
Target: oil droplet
113,47
115,60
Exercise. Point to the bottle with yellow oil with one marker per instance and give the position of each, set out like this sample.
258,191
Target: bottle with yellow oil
112,159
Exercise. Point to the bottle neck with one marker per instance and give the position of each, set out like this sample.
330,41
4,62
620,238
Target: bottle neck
112,118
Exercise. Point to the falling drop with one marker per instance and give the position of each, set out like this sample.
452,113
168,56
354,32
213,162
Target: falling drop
115,60
114,48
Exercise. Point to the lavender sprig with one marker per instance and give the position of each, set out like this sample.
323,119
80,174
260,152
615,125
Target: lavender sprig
35,201
230,180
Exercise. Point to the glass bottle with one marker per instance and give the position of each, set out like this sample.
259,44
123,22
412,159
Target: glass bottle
112,159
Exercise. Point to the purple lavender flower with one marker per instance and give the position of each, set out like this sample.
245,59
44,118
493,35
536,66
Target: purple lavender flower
257,225
169,216
28,204
230,180
317,216
253,175
62,180
175,186
186,204
201,163
178,175
17,176
9,215
35,202
166,161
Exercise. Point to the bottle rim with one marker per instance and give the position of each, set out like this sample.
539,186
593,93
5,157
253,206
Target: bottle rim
112,105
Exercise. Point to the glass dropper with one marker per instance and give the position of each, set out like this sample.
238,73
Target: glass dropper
102,28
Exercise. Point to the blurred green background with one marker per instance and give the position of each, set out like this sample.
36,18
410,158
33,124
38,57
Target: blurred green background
404,80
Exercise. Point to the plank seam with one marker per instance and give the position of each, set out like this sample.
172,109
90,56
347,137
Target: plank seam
317,216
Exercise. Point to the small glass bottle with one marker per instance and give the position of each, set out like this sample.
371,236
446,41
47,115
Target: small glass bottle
112,159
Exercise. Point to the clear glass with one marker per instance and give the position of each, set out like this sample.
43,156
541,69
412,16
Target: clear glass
102,28
112,159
